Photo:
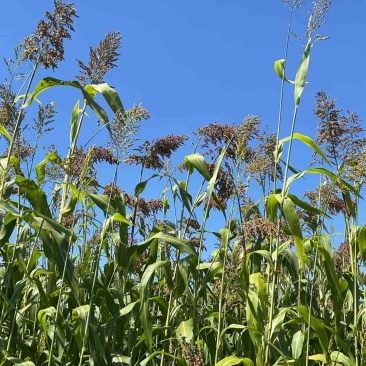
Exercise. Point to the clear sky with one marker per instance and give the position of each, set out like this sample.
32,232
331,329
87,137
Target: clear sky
192,63
195,62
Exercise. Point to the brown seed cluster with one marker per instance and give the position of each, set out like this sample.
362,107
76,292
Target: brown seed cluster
259,227
342,258
261,162
112,190
338,133
329,199
8,109
102,59
152,153
46,45
192,354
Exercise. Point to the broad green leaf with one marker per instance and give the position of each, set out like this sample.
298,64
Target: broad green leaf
50,82
111,97
301,74
185,330
316,325
79,321
144,296
234,360
118,217
295,228
4,132
74,122
140,188
197,161
307,141
297,344
182,245
103,202
238,327
341,183
279,67
40,168
340,358
35,195
361,239
212,181
128,308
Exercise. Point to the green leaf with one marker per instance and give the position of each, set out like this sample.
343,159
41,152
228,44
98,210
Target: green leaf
301,74
144,296
234,360
184,246
316,325
341,359
118,217
111,97
50,82
297,344
233,327
279,67
335,178
197,161
140,188
307,141
79,321
74,122
5,132
128,308
361,239
36,197
40,168
295,228
103,202
185,330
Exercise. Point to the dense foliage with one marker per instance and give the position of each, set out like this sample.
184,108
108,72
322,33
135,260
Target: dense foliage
95,274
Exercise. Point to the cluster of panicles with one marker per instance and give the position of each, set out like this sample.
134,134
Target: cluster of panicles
102,59
82,163
217,135
317,19
259,227
152,153
140,205
124,127
101,154
342,258
46,45
112,190
192,354
261,163
8,109
235,138
224,184
338,133
329,199
191,224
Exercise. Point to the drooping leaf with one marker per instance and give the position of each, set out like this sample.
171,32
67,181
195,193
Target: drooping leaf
111,96
40,168
197,161
185,330
279,67
297,344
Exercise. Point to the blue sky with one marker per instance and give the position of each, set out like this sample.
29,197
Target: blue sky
192,63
